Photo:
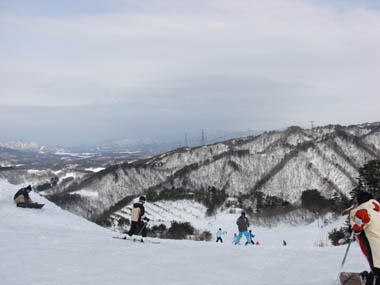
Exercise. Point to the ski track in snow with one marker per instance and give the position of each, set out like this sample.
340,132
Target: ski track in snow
53,246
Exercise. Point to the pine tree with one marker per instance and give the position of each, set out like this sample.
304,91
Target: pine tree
369,179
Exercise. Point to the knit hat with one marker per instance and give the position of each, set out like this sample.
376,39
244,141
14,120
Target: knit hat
142,199
363,197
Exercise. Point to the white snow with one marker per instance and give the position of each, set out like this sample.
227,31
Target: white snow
81,155
70,174
94,169
86,193
52,246
34,171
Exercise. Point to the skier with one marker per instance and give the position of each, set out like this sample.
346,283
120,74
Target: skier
243,225
219,234
138,227
234,238
252,236
365,222
284,243
22,198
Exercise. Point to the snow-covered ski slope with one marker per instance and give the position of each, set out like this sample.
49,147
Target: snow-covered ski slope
52,246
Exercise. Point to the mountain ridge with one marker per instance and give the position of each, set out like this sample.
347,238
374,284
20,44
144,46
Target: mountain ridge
277,164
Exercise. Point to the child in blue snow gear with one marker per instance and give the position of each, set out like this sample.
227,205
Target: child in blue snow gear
219,234
234,238
22,196
243,225
138,226
252,236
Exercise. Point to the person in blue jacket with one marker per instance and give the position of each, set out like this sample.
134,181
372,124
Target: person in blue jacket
243,225
219,234
252,236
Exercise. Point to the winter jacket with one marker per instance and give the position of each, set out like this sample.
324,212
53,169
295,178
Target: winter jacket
138,212
25,194
242,223
219,233
365,221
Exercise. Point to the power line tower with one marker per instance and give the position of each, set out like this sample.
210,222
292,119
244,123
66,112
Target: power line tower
312,124
203,138
186,140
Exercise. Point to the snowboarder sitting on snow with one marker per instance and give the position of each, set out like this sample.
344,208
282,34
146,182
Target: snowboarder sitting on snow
22,196
219,234
365,222
138,226
243,225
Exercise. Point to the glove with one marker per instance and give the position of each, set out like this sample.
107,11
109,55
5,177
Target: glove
146,219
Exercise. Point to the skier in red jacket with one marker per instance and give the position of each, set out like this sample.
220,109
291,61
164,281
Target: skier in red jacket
365,222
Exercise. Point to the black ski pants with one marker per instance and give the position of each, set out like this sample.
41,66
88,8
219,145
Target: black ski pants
138,228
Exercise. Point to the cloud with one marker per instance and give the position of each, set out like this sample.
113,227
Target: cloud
258,61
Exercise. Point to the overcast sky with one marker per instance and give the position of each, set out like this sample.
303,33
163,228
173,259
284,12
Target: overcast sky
85,71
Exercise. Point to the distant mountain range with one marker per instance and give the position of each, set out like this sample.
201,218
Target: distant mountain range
22,146
261,173
143,144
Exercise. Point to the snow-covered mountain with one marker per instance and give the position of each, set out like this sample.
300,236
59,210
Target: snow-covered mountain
271,169
53,246
22,145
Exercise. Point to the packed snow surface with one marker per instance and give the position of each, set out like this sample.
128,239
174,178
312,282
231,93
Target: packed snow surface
52,246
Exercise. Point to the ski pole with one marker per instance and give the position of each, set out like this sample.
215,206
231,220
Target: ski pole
344,258
142,228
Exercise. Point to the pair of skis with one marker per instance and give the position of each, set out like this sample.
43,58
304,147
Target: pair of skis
137,240
351,278
348,278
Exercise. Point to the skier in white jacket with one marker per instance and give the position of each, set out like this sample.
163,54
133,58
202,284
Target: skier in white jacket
219,234
365,222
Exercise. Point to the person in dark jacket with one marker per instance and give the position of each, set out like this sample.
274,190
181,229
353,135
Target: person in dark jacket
243,225
138,217
22,196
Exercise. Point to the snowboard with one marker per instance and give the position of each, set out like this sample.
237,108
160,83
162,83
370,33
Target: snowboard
33,206
137,240
350,278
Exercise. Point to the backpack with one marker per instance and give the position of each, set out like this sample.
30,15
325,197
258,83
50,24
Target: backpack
135,215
